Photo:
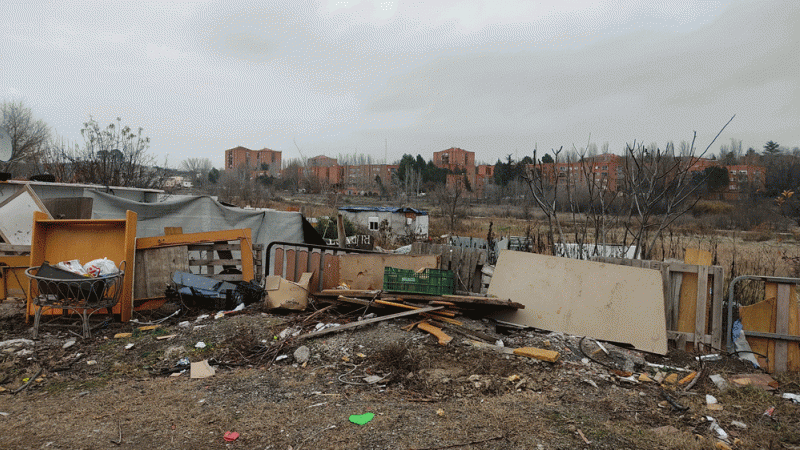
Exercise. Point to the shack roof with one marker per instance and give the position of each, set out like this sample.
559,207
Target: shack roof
391,209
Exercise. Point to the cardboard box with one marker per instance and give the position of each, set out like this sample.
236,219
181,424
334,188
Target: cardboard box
282,293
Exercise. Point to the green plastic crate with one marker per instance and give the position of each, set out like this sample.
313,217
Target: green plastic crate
430,281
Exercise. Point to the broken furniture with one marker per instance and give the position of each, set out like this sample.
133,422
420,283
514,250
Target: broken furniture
693,296
16,213
57,240
214,254
585,298
55,288
772,326
291,259
14,261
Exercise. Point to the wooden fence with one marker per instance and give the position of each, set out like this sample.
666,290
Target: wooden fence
693,296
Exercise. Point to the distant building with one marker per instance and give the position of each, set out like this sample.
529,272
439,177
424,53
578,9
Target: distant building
264,161
458,161
603,171
402,221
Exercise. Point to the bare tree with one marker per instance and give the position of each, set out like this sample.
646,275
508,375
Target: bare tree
198,168
660,188
545,194
450,198
29,136
112,156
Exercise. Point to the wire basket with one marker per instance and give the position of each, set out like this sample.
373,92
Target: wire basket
61,289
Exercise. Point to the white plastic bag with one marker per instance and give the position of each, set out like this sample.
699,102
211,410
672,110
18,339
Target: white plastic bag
73,266
101,267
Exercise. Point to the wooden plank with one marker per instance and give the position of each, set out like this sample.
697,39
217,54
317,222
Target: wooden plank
687,308
154,268
278,268
315,267
215,247
702,298
215,262
359,301
437,332
585,298
717,294
761,317
194,238
782,327
330,271
291,267
302,262
793,351
675,299
13,275
669,304
365,271
538,353
168,231
352,325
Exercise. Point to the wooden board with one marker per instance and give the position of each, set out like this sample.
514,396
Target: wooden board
687,311
12,277
154,268
778,313
366,271
16,216
584,298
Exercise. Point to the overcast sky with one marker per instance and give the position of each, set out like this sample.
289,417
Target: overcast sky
345,76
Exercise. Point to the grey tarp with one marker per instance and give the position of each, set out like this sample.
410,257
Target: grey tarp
198,214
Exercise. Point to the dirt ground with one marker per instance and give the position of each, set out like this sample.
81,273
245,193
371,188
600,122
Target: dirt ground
132,392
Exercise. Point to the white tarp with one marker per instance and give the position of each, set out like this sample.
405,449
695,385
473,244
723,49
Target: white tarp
199,214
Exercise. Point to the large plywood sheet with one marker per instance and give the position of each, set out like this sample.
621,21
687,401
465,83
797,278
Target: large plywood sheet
365,272
584,298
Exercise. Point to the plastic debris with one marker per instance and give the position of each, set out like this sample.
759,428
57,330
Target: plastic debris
722,434
795,398
362,419
200,344
737,424
719,382
230,436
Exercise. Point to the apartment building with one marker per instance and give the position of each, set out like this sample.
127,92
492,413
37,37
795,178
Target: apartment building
264,161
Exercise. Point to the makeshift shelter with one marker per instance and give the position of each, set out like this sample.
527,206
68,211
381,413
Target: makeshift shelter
199,214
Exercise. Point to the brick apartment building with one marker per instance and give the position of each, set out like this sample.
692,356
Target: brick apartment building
606,171
349,179
261,162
